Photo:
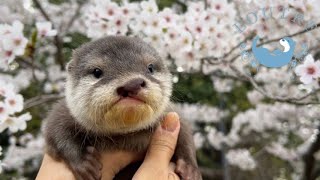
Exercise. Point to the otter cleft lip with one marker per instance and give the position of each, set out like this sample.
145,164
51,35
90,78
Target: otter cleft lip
130,100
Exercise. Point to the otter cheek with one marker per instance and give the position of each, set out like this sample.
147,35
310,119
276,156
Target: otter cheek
122,115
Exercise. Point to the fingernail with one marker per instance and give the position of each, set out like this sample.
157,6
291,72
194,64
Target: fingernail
170,123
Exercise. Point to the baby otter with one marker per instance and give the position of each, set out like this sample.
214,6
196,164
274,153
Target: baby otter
117,91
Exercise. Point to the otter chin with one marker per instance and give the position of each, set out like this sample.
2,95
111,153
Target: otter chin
128,112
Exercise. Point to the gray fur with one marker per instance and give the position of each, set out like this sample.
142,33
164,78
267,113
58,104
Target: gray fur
117,55
67,139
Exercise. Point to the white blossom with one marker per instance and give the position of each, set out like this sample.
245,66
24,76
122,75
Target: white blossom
200,113
149,6
216,138
18,155
14,40
198,140
222,85
186,37
183,38
11,104
241,158
12,43
14,103
280,151
15,124
4,113
45,29
254,97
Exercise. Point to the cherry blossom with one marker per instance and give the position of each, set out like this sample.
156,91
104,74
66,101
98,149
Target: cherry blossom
3,112
119,24
182,38
149,6
5,88
198,140
129,9
309,70
218,7
200,113
279,150
14,40
45,29
169,17
30,150
108,9
241,158
15,124
216,138
10,104
14,103
12,43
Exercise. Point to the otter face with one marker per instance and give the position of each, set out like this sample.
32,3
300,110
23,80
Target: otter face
117,84
287,43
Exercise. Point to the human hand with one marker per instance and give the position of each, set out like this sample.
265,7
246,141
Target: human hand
113,162
156,164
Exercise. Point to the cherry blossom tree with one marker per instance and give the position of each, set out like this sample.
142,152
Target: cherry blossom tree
250,122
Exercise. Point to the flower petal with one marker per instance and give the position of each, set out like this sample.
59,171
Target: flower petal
300,70
306,79
51,33
308,60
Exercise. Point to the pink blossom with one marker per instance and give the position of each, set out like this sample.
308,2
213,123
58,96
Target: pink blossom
12,43
15,124
3,112
45,29
309,70
14,103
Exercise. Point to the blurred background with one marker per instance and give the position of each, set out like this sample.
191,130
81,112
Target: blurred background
249,121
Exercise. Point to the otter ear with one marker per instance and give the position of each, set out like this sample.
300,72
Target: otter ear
69,66
71,63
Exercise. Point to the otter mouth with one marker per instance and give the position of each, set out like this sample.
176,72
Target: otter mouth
130,100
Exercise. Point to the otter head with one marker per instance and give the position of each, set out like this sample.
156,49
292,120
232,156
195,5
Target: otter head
287,43
117,85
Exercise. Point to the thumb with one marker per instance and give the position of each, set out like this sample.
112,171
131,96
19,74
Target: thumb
163,142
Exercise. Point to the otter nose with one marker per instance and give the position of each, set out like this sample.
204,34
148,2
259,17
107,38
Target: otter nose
131,88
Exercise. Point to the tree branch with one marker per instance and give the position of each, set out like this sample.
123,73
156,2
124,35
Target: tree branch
292,100
309,159
43,12
209,173
213,60
57,40
292,35
74,17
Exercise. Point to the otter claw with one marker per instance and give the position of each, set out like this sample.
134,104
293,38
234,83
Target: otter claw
187,171
90,167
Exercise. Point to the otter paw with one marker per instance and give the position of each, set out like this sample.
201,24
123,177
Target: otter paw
90,167
187,171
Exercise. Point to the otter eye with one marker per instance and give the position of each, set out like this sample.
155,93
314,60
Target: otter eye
151,68
97,73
